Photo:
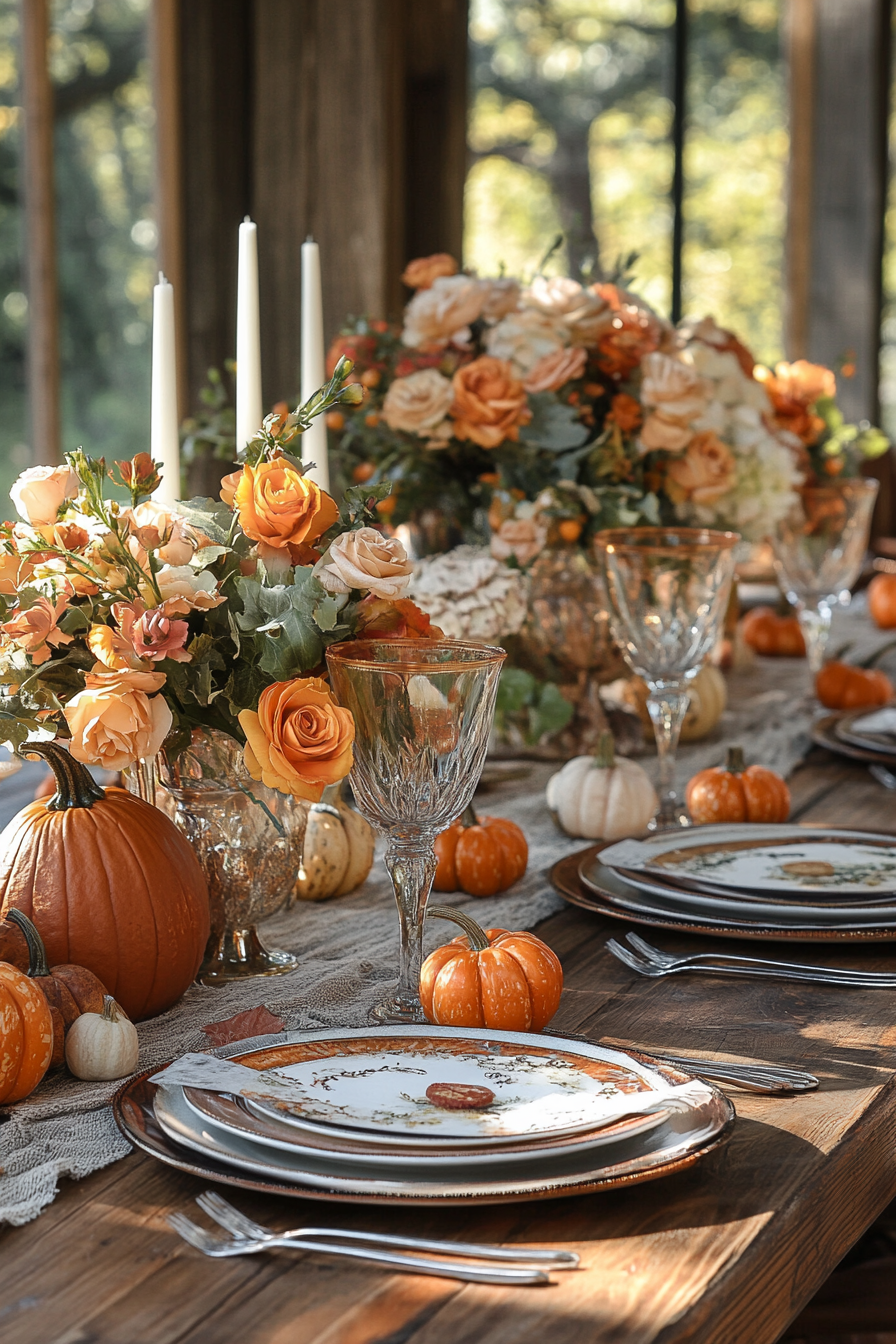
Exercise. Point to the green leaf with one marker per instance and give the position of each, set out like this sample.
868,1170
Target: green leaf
554,425
551,712
209,516
326,614
244,686
284,616
515,690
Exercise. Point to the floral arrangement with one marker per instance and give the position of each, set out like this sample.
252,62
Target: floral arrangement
127,625
560,405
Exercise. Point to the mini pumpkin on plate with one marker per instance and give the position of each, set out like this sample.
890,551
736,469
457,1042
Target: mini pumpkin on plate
490,978
480,856
737,792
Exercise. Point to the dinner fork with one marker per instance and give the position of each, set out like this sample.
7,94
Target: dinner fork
230,1218
757,965
220,1247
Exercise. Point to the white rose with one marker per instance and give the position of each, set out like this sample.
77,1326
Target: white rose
585,314
672,388
40,491
443,312
524,338
501,297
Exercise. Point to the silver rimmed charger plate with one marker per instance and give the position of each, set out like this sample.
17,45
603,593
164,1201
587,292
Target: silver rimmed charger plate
848,728
824,734
371,1085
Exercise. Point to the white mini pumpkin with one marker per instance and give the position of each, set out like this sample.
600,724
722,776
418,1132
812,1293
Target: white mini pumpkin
601,797
337,851
102,1045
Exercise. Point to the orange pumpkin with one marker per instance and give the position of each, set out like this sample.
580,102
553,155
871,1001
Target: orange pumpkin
773,635
69,990
737,792
882,601
480,857
490,978
26,1034
842,686
110,883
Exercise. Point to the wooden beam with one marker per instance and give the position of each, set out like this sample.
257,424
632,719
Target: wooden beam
165,61
40,235
801,69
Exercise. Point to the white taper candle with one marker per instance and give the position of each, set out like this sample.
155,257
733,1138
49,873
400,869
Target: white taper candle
249,405
314,440
164,436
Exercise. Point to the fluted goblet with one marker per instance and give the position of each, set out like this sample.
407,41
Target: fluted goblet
423,711
667,591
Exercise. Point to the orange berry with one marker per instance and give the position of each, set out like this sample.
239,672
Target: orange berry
490,478
570,529
370,377
335,420
363,472
833,466
593,390
386,506
371,419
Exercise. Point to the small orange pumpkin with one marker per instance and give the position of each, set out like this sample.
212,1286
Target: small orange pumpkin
842,686
773,635
490,978
737,792
480,857
882,601
69,990
26,1034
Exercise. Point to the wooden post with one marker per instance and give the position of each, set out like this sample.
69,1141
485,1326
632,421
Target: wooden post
40,235
164,46
801,66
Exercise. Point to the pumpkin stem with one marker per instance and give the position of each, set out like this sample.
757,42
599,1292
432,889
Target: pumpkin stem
37,953
735,763
112,1011
75,786
604,757
478,940
469,818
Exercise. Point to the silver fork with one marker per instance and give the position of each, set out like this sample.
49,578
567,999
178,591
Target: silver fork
230,1218
758,966
220,1247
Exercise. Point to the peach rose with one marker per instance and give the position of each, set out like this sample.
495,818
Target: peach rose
725,341
585,314
280,507
36,631
704,473
418,403
112,649
554,370
420,273
115,723
228,486
522,538
365,559
166,533
39,493
300,740
443,312
184,589
14,570
664,433
489,403
672,387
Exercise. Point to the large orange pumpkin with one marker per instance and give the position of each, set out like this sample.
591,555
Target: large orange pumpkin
26,1034
882,601
737,792
480,857
842,686
110,883
490,978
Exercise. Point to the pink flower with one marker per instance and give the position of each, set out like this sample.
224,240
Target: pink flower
35,630
153,634
554,370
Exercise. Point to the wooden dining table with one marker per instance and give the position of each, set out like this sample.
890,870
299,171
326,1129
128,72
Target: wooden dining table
727,1252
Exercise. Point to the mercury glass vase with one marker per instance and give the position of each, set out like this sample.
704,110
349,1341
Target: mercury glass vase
248,839
423,713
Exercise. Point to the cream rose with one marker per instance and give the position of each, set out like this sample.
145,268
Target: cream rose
367,560
523,339
672,387
502,296
522,538
585,314
39,492
183,589
114,723
179,541
554,370
418,403
661,433
443,312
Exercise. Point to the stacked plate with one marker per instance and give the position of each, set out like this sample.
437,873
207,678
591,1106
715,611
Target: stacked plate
413,1114
785,881
863,734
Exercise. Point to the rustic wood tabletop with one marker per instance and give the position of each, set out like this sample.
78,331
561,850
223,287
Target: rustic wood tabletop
726,1253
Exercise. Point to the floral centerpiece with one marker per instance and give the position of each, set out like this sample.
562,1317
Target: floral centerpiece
126,626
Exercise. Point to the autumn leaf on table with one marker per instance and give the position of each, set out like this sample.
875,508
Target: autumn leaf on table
253,1022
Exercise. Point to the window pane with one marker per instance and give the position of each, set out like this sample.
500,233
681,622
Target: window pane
735,170
14,452
888,325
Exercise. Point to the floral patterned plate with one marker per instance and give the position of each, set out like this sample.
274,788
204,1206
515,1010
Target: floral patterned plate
466,1088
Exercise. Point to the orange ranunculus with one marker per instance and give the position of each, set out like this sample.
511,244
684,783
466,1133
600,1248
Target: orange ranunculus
794,389
625,411
704,473
401,619
489,403
420,273
280,507
300,740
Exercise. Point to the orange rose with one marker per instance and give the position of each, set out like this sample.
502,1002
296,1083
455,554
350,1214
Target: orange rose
489,403
300,740
114,722
229,484
794,390
280,507
420,273
633,334
704,473
625,411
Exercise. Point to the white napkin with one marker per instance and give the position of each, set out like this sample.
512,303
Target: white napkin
224,1075
880,723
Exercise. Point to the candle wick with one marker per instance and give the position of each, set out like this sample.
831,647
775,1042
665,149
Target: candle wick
310,238
162,280
247,219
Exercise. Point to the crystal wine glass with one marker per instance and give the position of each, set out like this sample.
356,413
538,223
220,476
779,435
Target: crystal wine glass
423,713
819,549
667,590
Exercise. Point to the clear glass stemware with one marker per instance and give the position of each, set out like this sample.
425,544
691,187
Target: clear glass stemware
819,549
423,713
667,591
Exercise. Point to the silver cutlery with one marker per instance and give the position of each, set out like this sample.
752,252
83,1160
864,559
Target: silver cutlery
221,1247
237,1223
764,1079
647,960
882,775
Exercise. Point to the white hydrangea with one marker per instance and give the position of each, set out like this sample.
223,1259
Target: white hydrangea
471,595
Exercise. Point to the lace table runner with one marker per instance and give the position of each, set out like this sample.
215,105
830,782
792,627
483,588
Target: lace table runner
348,947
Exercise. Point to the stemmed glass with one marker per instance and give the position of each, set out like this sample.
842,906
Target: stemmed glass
667,591
423,713
819,549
